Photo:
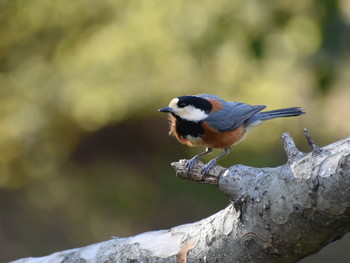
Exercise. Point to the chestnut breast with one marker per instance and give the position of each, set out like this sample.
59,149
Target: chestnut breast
216,139
200,133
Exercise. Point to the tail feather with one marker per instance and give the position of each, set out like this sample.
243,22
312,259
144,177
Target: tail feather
267,115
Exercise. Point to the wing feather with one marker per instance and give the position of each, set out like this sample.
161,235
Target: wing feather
232,115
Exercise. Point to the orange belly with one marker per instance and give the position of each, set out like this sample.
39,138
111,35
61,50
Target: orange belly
215,139
211,138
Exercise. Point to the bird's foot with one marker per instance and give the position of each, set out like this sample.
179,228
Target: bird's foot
190,163
208,166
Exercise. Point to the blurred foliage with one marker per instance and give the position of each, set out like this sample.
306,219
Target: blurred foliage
84,155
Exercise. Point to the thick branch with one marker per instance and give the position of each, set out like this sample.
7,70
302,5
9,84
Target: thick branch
277,214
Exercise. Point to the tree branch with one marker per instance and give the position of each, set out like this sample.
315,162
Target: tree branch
277,214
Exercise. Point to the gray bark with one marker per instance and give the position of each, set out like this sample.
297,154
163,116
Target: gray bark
280,214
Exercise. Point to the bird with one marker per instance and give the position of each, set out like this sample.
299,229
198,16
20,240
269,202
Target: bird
207,120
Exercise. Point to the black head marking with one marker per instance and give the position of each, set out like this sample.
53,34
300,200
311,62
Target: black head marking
196,102
191,128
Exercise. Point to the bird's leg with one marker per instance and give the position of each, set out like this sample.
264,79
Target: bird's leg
210,164
191,162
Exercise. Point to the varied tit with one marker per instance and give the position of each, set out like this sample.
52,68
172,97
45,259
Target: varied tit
210,121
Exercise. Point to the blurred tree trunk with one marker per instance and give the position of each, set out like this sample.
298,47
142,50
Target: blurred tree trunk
280,214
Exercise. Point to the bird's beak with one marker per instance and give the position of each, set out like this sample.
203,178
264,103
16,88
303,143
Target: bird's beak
166,109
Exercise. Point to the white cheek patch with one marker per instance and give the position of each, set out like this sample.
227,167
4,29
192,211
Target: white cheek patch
188,113
191,113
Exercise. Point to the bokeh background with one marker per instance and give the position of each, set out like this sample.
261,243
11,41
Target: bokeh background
84,154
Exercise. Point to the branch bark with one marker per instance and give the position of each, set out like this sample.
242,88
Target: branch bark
280,214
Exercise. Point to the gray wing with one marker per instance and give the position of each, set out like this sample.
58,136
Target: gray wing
232,115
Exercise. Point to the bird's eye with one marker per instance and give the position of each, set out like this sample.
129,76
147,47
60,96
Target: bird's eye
181,104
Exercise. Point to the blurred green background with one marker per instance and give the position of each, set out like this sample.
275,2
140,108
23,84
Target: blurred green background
84,154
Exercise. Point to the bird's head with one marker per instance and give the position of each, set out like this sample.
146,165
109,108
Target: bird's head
189,108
